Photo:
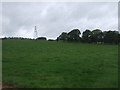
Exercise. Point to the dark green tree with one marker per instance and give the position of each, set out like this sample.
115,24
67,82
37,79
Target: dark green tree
97,35
63,36
86,36
111,37
74,35
119,38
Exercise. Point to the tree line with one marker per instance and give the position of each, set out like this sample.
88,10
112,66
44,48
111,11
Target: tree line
21,38
88,36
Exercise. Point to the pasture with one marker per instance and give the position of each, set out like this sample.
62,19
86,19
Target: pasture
46,64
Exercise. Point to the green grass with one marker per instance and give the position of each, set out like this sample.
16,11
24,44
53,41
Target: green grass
45,64
0,61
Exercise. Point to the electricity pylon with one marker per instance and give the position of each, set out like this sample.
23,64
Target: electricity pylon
35,33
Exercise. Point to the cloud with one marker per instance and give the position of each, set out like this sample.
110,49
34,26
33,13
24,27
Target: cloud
53,18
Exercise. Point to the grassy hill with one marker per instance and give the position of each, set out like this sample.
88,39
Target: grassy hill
45,64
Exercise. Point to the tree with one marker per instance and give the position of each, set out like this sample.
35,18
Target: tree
111,37
96,35
74,35
63,36
86,36
41,38
119,38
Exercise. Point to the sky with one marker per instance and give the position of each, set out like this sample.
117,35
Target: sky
53,18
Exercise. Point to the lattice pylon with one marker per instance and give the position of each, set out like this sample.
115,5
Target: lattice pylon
35,33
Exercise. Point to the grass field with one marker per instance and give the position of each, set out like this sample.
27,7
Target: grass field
45,64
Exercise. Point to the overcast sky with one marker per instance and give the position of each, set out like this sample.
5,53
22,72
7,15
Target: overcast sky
52,19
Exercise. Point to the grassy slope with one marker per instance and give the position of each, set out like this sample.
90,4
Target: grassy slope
42,64
0,62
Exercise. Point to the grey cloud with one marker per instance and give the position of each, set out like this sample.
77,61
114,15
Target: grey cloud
52,19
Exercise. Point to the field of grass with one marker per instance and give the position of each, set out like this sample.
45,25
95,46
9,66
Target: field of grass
46,64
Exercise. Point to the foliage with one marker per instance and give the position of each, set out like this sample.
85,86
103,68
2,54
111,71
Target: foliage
71,36
88,36
41,38
111,37
96,35
63,36
74,35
